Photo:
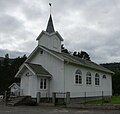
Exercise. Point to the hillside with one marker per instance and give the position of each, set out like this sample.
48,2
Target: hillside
115,67
8,69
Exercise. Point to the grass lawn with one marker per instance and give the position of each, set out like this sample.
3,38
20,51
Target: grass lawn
114,100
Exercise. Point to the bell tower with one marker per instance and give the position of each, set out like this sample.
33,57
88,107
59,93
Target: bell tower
50,38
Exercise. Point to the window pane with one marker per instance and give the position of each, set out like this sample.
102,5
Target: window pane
88,78
44,83
78,72
80,80
76,81
97,79
88,74
78,77
41,84
104,76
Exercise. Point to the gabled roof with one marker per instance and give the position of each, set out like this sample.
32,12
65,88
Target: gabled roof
50,27
35,69
78,61
71,59
16,84
39,70
36,50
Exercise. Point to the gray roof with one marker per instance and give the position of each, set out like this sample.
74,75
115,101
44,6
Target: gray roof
39,70
50,27
79,61
18,84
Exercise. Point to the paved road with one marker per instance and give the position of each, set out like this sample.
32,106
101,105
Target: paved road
50,110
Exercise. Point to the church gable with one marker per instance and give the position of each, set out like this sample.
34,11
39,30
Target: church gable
41,55
29,69
25,70
39,70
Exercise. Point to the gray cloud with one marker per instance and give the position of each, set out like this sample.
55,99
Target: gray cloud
89,25
6,5
9,23
12,54
32,11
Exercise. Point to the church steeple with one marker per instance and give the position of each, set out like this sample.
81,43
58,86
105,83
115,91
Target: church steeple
50,38
50,27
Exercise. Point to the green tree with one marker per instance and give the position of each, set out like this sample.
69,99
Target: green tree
6,60
63,49
8,70
82,54
115,67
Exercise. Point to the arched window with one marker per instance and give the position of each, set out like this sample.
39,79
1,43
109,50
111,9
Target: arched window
104,76
78,77
97,79
88,78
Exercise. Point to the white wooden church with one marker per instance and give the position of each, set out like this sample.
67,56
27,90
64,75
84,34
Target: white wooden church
49,70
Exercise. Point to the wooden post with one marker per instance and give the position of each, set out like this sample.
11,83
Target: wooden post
85,98
67,97
54,98
102,97
5,98
38,97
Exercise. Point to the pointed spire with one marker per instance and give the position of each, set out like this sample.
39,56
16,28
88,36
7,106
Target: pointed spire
50,27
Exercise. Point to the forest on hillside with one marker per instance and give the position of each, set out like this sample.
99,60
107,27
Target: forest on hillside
115,67
9,67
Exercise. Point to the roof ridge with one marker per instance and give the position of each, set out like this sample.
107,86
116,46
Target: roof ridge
76,60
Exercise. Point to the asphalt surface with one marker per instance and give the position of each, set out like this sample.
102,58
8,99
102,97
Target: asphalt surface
50,110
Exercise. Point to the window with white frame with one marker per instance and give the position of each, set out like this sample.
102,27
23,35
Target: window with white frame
88,78
97,79
43,83
78,77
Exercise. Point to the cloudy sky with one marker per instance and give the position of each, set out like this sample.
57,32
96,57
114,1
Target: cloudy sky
89,25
